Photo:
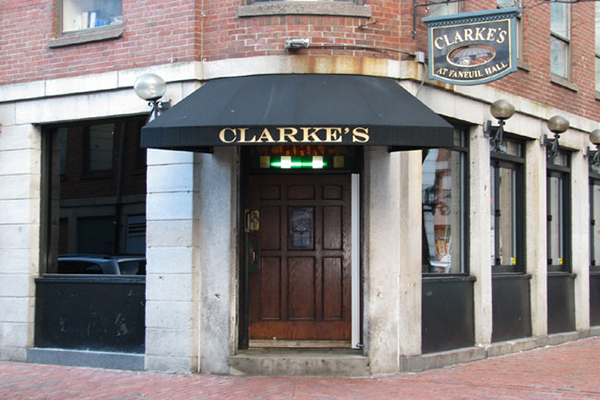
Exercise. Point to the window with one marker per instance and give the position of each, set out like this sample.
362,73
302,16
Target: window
558,210
95,214
507,207
99,151
594,217
78,15
597,18
444,208
560,40
444,7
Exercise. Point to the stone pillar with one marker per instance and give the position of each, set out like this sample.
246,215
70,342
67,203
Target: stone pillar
480,235
218,245
580,238
536,259
172,281
20,152
411,221
382,272
393,274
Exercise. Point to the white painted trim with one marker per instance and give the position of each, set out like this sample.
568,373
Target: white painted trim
355,260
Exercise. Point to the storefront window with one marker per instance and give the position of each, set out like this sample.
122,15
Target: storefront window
444,208
594,217
558,209
95,222
79,15
507,207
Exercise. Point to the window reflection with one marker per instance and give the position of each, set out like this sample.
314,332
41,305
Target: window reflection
443,211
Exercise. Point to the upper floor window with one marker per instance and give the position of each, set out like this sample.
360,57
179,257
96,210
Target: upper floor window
444,7
560,40
444,208
78,15
597,47
507,207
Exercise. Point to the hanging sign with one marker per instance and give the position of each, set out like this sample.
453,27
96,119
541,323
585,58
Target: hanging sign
472,48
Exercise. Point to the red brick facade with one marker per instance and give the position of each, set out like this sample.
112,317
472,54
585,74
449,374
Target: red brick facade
167,32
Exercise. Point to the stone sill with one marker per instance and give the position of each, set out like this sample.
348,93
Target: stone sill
87,36
557,80
305,8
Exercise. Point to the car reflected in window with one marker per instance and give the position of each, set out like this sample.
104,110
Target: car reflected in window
101,265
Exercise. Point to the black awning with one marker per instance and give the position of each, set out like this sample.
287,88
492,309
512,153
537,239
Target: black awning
298,109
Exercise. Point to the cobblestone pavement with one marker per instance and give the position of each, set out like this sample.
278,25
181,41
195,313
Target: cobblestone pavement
568,371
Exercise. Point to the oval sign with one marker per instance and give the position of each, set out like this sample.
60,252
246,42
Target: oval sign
471,56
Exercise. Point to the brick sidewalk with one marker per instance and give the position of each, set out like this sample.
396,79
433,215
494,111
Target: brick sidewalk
569,371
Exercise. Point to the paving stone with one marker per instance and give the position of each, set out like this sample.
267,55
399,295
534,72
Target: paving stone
569,371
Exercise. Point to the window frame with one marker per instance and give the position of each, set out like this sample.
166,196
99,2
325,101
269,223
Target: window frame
52,222
516,164
566,41
460,6
87,35
594,180
565,217
463,150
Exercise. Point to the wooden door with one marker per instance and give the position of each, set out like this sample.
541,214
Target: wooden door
299,283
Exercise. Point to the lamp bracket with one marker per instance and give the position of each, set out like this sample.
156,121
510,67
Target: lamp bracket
593,154
545,141
494,133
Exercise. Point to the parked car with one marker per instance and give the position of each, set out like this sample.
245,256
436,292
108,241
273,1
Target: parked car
101,264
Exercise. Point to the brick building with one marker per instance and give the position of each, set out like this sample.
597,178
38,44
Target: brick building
310,186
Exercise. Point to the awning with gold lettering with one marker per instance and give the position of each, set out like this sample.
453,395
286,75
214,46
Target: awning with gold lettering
298,109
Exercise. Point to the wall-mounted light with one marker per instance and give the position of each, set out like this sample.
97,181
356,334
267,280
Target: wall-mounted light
557,125
151,87
295,44
501,110
595,139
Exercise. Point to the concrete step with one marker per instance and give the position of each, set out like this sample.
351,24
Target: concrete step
299,362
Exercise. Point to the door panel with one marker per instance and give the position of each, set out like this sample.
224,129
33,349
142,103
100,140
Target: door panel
301,288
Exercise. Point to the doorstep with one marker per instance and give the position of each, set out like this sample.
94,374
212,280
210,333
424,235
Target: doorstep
299,362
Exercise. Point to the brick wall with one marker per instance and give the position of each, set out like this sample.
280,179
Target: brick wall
178,31
156,32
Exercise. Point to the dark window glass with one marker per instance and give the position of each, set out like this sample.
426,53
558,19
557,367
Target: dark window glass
93,217
100,139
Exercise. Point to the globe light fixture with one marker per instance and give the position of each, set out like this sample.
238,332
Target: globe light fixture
152,88
501,110
595,139
557,125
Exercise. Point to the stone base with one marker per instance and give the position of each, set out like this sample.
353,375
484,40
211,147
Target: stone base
81,358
